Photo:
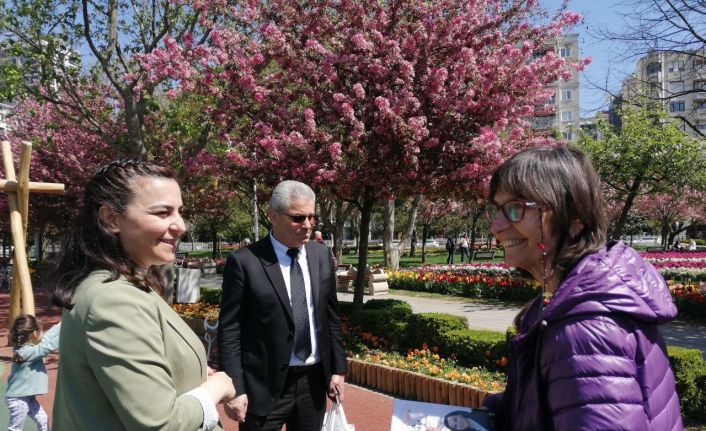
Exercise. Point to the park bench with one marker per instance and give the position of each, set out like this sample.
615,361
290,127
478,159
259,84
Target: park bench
483,255
655,249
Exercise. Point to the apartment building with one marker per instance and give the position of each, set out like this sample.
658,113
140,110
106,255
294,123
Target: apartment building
566,93
4,112
677,80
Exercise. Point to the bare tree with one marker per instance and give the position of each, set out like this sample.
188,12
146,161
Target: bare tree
661,31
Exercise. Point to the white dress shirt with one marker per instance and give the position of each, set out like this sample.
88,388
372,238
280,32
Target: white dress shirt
285,263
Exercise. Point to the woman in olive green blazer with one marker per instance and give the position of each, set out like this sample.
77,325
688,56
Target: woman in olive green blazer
128,361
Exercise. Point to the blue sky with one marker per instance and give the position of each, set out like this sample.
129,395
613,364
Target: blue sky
608,67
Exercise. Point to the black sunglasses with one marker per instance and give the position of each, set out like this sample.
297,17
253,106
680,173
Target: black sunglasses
512,210
300,218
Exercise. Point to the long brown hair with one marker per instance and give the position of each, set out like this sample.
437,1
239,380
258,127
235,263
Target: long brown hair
89,245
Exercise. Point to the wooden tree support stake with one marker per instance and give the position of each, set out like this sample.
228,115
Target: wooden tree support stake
17,190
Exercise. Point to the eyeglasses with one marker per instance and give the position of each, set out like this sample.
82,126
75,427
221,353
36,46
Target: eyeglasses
300,218
512,210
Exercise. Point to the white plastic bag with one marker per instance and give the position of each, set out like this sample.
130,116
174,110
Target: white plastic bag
335,418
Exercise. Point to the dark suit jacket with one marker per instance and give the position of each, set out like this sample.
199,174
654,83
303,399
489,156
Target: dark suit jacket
256,328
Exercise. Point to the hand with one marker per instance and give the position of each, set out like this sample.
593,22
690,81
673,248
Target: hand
220,386
237,408
210,371
336,387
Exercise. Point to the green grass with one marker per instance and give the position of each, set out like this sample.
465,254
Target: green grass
433,258
375,257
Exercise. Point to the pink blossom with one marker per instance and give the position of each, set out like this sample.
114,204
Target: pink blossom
358,90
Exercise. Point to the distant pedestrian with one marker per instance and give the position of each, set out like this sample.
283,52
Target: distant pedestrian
692,245
28,375
450,248
464,249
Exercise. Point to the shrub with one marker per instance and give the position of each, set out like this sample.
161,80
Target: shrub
690,374
428,327
211,296
389,323
381,322
475,348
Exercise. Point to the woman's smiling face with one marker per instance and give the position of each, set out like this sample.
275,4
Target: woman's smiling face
521,239
151,225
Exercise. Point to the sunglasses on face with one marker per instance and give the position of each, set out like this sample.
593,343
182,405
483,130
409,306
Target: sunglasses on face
513,211
300,218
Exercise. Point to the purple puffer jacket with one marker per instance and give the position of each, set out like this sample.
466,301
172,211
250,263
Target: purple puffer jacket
594,358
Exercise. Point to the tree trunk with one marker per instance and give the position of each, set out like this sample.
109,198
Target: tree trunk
413,244
425,231
214,240
665,229
629,200
396,251
364,232
391,254
135,147
475,216
338,231
674,231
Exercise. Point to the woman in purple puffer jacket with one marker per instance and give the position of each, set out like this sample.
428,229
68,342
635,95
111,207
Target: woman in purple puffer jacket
589,354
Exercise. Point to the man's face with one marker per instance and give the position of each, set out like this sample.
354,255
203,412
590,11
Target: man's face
287,231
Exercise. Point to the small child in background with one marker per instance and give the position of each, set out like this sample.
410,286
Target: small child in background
28,376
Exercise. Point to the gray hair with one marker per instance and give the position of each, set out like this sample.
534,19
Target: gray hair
285,192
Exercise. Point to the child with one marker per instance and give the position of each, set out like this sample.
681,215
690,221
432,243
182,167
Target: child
28,376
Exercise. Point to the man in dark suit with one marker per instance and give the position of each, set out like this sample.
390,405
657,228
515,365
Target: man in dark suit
279,335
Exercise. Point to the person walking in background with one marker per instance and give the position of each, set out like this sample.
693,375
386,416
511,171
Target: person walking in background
28,374
589,354
279,331
128,361
464,249
450,249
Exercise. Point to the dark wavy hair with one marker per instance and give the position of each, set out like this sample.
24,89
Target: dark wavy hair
89,245
561,180
22,328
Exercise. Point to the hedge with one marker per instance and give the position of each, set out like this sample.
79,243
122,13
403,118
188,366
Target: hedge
475,348
428,328
211,295
690,375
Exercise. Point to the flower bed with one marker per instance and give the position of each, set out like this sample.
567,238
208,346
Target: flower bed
199,310
486,281
425,361
689,298
413,386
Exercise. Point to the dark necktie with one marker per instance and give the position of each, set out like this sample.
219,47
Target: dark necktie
300,311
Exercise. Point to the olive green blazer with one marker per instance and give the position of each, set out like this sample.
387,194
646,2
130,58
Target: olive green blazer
125,360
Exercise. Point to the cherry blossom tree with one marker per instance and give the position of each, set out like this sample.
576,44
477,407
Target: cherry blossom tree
674,211
62,152
366,100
